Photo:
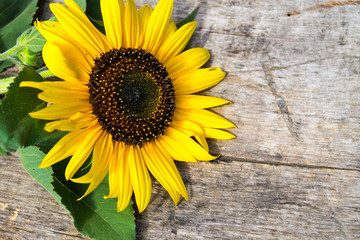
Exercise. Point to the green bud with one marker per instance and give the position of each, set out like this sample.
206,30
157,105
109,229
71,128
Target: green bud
30,58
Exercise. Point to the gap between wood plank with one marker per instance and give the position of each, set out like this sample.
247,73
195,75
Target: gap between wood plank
227,159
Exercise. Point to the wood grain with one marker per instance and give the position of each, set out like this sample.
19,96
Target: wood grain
293,172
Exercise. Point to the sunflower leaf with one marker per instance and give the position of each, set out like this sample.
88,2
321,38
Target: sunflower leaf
188,19
31,39
16,16
93,215
94,13
81,3
93,9
17,128
3,151
31,158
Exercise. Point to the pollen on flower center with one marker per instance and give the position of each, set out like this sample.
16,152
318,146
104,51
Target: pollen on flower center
131,95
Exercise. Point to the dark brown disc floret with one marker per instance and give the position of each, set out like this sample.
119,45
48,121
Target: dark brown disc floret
131,95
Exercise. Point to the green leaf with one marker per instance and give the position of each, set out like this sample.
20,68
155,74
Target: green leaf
3,151
93,9
17,128
93,216
15,17
31,39
27,48
5,64
81,3
188,19
94,13
31,158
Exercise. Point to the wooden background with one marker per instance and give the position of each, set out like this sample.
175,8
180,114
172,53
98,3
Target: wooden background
293,172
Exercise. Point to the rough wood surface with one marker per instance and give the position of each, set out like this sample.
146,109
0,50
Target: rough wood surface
294,170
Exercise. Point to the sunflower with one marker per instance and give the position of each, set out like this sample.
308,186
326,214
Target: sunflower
127,98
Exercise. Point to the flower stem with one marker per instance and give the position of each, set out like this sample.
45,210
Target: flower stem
9,53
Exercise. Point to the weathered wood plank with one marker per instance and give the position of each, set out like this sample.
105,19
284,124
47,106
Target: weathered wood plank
230,200
294,80
293,171
27,210
241,199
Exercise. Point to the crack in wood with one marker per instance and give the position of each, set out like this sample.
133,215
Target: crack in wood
236,34
228,159
335,217
172,222
281,103
349,56
274,68
329,4
23,229
66,234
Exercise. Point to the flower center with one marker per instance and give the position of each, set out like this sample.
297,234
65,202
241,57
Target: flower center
131,95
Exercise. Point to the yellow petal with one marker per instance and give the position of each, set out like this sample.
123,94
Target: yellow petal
113,171
83,151
176,42
163,162
62,125
53,33
77,121
198,80
161,169
75,23
156,26
140,178
196,101
144,15
176,150
59,95
94,184
218,134
103,151
133,30
125,188
187,61
195,149
191,129
113,15
66,63
203,117
165,153
65,147
61,111
54,85
170,29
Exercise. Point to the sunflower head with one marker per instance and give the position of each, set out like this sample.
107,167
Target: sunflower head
128,97
131,95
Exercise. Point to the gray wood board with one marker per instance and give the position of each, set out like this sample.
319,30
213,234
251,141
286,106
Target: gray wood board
293,170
